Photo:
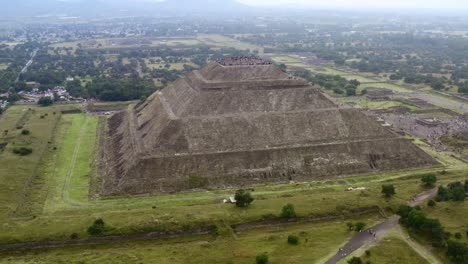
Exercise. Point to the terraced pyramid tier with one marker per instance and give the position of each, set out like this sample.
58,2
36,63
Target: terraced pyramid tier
240,125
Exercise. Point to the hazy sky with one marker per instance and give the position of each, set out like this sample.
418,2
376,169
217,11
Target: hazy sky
452,4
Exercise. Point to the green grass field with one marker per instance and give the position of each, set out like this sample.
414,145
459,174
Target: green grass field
393,249
452,216
224,41
316,242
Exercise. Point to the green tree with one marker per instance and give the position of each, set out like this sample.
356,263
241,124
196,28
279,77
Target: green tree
360,226
262,259
293,240
431,203
97,228
288,211
355,260
388,190
429,179
243,198
457,251
22,151
45,101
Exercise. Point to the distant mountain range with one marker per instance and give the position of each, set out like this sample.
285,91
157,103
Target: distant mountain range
19,8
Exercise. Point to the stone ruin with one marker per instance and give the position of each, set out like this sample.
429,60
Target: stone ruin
240,125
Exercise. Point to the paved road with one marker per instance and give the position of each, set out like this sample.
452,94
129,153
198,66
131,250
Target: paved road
376,232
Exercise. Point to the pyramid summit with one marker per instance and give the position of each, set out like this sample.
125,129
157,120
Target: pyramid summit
242,121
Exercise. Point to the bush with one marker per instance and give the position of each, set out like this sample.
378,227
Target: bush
45,101
431,203
429,179
388,190
368,253
355,260
74,236
97,228
288,211
262,259
360,226
25,132
293,240
243,198
22,151
457,251
458,235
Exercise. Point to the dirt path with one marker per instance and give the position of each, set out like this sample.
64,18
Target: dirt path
377,232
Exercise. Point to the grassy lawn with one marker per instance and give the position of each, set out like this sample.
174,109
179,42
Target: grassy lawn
18,174
223,41
393,249
390,86
452,216
316,242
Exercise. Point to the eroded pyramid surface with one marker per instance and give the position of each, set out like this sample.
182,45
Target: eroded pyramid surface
237,124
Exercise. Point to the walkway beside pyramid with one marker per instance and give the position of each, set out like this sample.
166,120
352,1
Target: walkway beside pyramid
240,122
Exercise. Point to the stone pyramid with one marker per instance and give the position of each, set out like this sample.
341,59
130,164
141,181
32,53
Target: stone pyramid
239,122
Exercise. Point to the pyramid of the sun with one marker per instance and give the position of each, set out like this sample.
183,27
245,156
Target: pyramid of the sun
237,125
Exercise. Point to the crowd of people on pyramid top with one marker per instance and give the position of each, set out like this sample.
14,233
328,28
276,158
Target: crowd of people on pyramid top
243,60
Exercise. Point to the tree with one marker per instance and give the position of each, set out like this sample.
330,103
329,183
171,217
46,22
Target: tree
431,203
457,251
97,228
388,190
22,151
360,226
243,198
262,259
355,260
293,240
45,101
288,211
429,179
25,132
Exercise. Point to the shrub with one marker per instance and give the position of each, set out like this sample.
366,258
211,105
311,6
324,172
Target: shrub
243,198
368,253
25,132
429,179
355,260
350,226
360,226
22,151
288,211
458,235
262,259
388,190
45,101
97,228
457,251
74,236
293,240
431,203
